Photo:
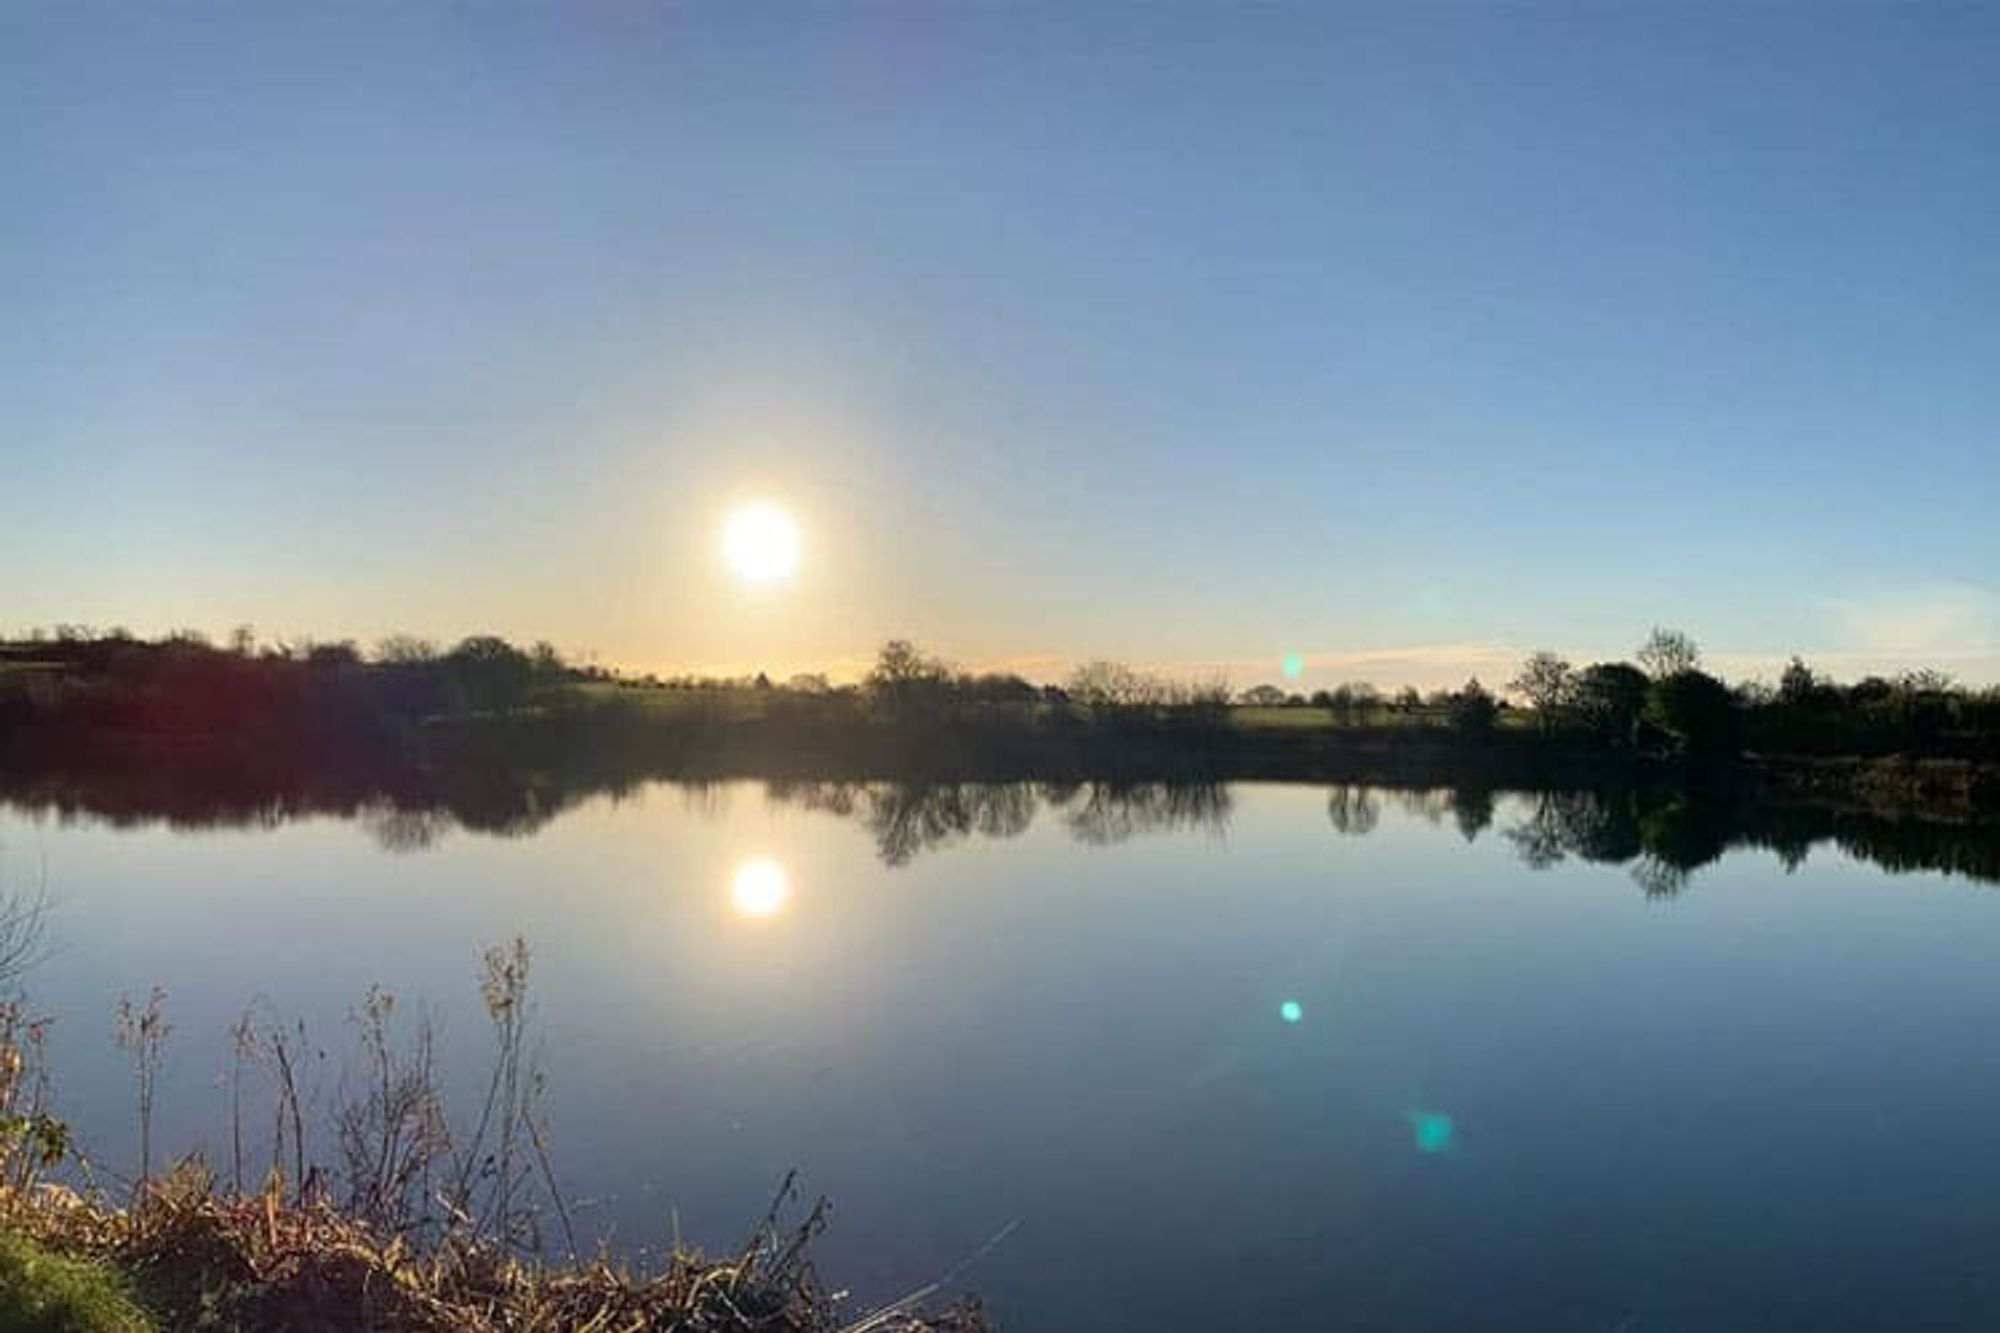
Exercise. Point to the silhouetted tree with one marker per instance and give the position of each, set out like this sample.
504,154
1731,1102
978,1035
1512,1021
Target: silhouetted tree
1697,710
1472,711
907,681
1668,652
1797,684
546,664
1608,699
333,656
1103,684
405,649
1547,683
1115,688
1353,700
494,675
902,663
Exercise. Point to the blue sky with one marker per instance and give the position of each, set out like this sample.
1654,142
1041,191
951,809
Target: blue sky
1404,337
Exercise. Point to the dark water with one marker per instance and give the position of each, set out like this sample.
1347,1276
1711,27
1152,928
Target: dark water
1250,1058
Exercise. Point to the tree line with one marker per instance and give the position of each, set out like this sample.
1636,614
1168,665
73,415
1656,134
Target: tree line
184,683
1666,701
1661,702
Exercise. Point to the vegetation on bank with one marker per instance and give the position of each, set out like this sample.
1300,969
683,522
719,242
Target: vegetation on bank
82,682
185,1257
380,1213
502,737
45,1292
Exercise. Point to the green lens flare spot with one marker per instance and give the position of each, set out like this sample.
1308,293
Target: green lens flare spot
1432,1130
1292,666
1291,1011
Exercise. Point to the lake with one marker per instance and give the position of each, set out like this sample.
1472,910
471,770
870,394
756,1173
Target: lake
1256,1057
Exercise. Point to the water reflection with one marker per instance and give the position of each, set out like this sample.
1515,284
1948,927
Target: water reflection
1662,837
909,818
1353,811
760,888
1102,813
1395,1064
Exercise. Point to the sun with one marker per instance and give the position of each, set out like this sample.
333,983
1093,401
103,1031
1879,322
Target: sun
760,888
760,542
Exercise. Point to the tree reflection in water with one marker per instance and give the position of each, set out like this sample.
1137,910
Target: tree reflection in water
1663,836
909,818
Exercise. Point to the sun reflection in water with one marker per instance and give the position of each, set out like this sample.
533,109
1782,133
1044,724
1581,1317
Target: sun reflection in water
761,888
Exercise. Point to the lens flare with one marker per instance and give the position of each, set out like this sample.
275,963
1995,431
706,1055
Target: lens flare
761,888
1291,1011
1432,1130
1293,666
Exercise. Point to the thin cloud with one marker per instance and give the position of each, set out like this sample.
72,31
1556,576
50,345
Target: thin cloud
1954,629
1426,665
1943,621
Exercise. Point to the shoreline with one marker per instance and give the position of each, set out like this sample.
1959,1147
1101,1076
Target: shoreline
600,748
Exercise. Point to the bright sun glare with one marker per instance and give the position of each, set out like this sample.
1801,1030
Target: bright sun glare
761,543
760,888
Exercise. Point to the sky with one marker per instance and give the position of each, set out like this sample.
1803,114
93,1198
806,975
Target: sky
1405,338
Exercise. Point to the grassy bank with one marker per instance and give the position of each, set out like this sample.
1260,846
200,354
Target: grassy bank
110,701
184,1258
46,1291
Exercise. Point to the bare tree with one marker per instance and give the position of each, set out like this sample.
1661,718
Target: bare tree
1547,683
906,677
1668,652
1109,685
405,649
1114,685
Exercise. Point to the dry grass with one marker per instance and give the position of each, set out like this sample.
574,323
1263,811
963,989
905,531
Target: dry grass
206,1260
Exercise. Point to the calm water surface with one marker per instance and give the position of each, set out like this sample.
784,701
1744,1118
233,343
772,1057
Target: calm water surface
1227,1062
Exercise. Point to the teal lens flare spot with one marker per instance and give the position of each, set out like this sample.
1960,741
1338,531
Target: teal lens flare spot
1291,1011
1293,665
1432,1130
